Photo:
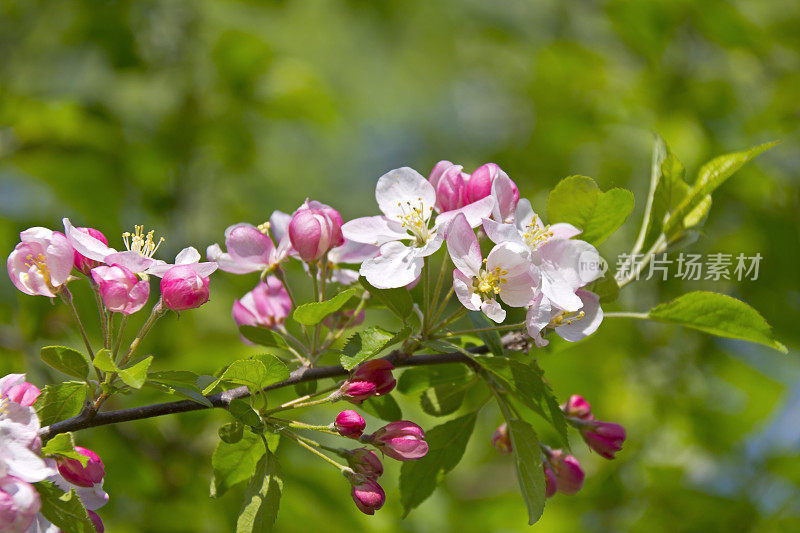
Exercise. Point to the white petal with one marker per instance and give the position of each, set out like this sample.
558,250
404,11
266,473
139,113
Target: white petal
133,261
397,266
462,244
377,230
85,244
433,244
524,215
593,317
562,230
401,189
559,291
500,233
503,193
352,252
537,318
279,224
462,287
474,212
187,255
159,268
493,310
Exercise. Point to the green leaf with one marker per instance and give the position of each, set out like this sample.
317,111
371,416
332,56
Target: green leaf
578,200
262,498
417,379
528,462
60,401
242,410
70,362
369,343
135,376
444,399
64,510
63,445
313,313
384,407
606,288
398,301
490,338
103,361
712,175
235,463
255,373
719,315
180,382
232,432
446,445
263,336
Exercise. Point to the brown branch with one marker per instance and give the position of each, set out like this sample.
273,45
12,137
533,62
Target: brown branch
222,400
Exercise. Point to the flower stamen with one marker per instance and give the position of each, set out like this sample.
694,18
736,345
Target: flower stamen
140,242
488,282
537,235
568,317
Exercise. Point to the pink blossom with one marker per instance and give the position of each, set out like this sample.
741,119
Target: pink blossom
250,248
550,483
368,496
407,232
450,184
373,378
605,438
41,263
507,273
266,306
569,325
15,388
138,256
121,290
19,445
480,183
403,440
83,476
349,424
188,257
82,263
19,504
365,462
96,521
314,229
182,288
568,472
577,407
501,439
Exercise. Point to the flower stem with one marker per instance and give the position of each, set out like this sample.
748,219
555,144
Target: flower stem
100,307
155,314
443,306
302,425
350,320
452,318
120,334
281,275
481,330
437,290
426,290
67,297
640,316
306,443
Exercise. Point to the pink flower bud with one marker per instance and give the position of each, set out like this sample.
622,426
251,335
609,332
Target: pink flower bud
403,440
373,378
568,472
19,504
41,263
480,183
366,463
82,263
16,389
368,495
315,230
96,522
182,288
501,439
577,407
349,424
266,306
121,290
605,438
451,188
437,171
550,484
84,476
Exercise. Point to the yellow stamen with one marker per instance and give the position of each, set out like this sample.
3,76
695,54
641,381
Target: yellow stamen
140,242
536,235
414,220
264,228
488,282
568,317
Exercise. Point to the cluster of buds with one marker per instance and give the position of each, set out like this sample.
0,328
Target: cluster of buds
373,378
605,438
562,472
456,189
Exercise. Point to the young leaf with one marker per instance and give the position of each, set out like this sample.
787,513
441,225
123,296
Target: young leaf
528,462
135,376
232,432
446,445
262,497
63,445
235,463
60,401
263,336
398,301
103,361
369,343
384,407
443,399
253,373
416,379
606,288
712,175
70,362
490,338
241,410
578,200
63,510
313,313
719,315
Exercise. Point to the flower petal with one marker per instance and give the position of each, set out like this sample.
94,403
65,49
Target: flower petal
493,310
499,232
85,244
404,188
474,212
588,324
227,263
397,266
377,230
133,261
462,287
462,244
187,255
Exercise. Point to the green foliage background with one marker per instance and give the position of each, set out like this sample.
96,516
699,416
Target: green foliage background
190,116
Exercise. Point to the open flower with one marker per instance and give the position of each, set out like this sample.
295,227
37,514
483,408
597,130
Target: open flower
19,504
250,248
188,257
16,389
40,264
138,256
565,264
266,306
570,325
407,232
121,290
507,272
350,252
19,443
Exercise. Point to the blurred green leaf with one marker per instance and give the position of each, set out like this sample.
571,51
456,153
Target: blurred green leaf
236,462
384,407
311,314
577,200
263,336
232,432
262,497
398,301
443,399
528,461
70,362
490,338
416,379
242,410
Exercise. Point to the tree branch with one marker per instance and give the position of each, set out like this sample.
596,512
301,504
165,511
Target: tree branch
223,399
